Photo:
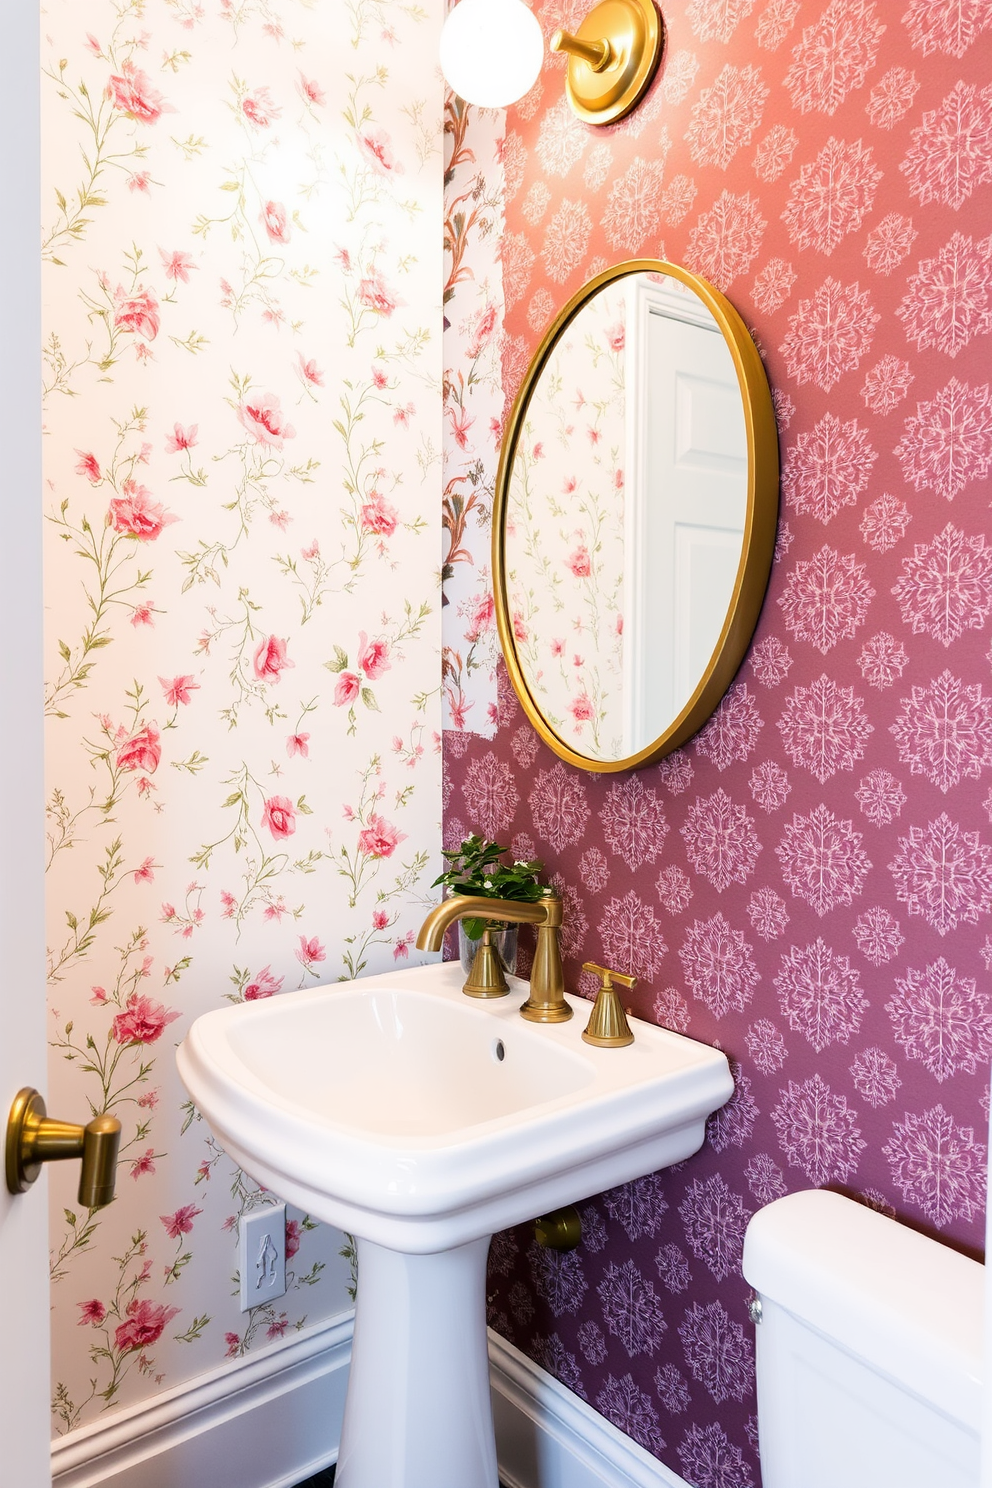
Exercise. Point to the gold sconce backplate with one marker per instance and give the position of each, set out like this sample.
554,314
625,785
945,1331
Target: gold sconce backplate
612,58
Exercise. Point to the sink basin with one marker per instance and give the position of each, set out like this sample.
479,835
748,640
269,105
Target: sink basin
422,1122
399,1109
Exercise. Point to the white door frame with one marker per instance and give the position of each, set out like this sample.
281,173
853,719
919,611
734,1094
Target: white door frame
24,1352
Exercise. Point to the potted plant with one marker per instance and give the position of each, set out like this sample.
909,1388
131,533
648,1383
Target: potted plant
475,868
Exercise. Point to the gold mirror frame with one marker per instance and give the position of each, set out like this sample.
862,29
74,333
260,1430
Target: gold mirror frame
760,523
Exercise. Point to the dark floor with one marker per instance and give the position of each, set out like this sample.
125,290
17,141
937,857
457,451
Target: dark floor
323,1479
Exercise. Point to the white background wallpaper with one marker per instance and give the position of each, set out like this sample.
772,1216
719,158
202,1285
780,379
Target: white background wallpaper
243,414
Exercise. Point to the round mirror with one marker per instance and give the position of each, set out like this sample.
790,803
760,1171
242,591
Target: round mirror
635,514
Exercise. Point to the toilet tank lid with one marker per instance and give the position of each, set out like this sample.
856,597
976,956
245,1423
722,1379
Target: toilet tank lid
904,1303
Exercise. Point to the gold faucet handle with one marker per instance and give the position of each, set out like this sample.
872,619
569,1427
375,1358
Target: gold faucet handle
608,1027
608,976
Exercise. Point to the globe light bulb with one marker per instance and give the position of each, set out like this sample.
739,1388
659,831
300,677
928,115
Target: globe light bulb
491,51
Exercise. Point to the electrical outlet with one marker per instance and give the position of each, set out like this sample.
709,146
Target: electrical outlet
262,1255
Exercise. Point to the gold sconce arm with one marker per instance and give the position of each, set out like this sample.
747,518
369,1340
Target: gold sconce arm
598,54
34,1138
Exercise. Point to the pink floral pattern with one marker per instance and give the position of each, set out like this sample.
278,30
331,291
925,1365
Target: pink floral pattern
243,243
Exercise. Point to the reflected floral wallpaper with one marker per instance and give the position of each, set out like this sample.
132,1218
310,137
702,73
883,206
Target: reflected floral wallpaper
809,881
473,408
565,531
244,427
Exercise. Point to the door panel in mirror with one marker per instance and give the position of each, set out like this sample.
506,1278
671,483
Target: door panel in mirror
635,515
695,499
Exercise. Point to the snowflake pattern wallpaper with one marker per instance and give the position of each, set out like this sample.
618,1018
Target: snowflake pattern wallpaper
808,883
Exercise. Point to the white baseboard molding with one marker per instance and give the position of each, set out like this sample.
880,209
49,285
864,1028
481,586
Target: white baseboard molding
547,1437
274,1418
268,1420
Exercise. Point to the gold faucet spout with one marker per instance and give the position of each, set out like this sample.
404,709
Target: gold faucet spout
546,1003
475,907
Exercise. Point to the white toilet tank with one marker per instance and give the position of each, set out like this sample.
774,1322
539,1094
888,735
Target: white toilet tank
869,1349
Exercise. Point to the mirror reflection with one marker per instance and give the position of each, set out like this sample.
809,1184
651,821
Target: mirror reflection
625,514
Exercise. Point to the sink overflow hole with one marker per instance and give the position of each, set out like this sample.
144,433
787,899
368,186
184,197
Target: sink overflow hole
499,1051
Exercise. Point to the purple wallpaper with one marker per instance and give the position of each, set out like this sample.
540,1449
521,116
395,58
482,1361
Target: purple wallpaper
809,882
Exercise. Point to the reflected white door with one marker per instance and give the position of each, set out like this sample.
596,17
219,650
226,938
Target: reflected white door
687,502
24,1352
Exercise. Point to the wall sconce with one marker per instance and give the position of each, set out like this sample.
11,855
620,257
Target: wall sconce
492,50
612,59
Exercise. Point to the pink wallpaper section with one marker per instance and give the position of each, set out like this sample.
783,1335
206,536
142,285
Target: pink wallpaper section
808,883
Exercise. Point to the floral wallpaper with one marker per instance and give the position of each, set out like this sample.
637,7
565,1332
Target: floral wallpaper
565,531
243,202
808,882
473,408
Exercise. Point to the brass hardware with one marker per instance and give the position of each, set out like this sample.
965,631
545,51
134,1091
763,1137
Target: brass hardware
486,979
546,1003
561,1230
612,59
596,53
760,521
608,1027
33,1139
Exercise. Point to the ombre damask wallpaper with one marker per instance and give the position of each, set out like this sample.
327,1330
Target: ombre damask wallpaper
243,412
809,882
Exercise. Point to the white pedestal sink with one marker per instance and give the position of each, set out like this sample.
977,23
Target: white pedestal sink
422,1122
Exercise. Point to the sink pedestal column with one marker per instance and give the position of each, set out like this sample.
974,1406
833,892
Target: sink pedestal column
418,1412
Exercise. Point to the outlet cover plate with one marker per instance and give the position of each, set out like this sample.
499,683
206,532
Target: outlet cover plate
262,1255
